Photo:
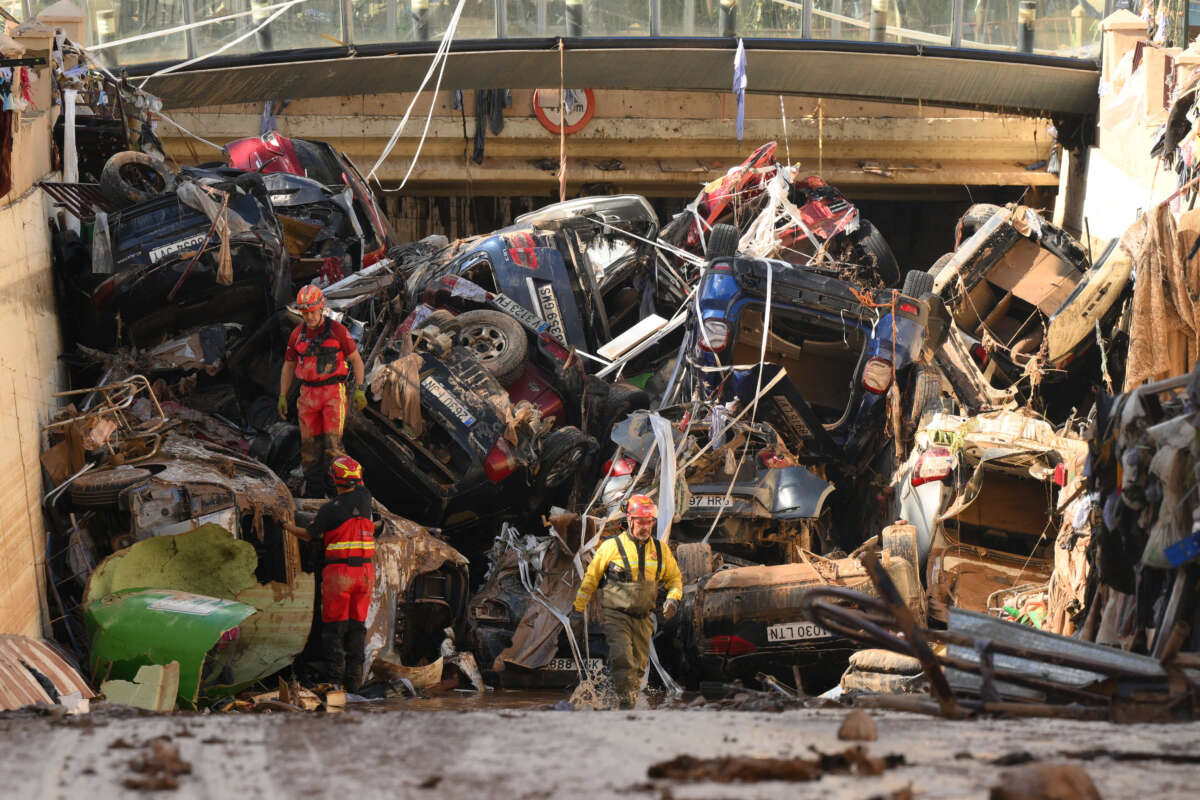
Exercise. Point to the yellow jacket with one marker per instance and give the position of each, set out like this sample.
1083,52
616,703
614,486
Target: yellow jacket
666,573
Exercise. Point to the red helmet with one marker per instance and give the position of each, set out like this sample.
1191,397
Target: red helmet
640,506
310,297
346,471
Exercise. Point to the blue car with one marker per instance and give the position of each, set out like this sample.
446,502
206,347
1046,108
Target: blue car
841,346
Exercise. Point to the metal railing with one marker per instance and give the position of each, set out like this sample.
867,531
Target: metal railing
1067,28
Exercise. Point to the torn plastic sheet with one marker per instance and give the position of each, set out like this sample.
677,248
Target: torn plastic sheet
136,627
209,562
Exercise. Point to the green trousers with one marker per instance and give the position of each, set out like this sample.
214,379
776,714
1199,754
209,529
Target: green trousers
628,651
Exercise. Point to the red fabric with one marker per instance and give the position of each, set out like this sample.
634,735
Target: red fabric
346,592
331,269
321,409
336,330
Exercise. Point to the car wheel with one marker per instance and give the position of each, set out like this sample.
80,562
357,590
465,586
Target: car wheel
972,220
130,178
622,401
917,284
563,457
926,397
496,339
98,489
695,560
871,241
722,241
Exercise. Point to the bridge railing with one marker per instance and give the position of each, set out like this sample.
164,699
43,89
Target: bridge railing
127,32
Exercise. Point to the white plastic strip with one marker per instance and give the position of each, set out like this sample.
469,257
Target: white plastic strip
438,62
141,37
666,475
231,43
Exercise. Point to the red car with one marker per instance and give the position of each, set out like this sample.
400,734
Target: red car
319,161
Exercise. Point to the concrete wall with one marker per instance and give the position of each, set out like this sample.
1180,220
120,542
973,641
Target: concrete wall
29,375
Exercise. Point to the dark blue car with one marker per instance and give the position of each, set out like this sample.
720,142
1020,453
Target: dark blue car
842,348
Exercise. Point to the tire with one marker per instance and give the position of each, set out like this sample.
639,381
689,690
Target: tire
940,264
496,339
101,488
972,220
926,396
723,241
695,560
130,178
872,242
917,284
622,401
441,318
563,456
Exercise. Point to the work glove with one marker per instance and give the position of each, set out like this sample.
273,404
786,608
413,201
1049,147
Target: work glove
669,608
360,399
281,406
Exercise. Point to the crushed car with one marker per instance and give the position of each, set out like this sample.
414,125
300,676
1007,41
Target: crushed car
318,161
984,495
1026,298
842,348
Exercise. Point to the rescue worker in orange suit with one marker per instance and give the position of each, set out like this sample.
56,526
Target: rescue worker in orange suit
320,354
345,528
628,568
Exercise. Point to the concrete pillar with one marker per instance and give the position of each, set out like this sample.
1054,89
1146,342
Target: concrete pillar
879,18
68,16
1072,190
1026,15
1122,31
420,11
575,18
728,19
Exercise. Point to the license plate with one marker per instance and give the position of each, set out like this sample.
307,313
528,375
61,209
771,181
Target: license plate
520,312
451,403
709,501
796,631
550,310
160,253
568,665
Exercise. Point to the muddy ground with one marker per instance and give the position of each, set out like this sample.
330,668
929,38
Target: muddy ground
519,752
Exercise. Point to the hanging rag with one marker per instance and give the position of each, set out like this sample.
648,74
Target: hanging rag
398,387
489,115
739,85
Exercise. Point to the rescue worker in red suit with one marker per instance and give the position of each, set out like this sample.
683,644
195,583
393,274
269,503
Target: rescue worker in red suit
345,528
320,354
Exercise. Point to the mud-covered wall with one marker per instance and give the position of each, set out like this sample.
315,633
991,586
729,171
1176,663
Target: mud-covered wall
29,375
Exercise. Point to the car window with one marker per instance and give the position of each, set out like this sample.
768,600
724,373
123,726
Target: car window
603,252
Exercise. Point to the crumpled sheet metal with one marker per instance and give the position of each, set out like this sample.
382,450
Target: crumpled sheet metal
210,562
535,640
403,551
1003,430
22,657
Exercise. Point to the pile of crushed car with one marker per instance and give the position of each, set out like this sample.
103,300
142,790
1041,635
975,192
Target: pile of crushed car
797,401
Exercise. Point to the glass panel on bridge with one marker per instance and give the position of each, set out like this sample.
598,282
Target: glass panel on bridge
1060,27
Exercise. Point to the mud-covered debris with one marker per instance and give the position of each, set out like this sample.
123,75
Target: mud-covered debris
1045,782
743,769
158,768
858,726
430,783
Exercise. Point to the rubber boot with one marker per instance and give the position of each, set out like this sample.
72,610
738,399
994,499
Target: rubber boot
316,471
332,444
333,637
356,645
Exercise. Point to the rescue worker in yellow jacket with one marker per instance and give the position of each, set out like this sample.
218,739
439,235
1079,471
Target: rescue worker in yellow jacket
629,568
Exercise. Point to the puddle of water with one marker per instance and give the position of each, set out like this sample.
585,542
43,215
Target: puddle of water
498,700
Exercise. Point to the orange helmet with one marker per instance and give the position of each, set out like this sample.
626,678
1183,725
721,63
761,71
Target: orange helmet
345,471
641,506
310,297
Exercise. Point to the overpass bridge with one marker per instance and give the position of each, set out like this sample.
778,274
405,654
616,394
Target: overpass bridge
916,115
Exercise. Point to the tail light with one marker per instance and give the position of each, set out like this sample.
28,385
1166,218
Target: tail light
622,466
877,375
907,308
500,463
773,460
731,646
981,355
104,292
935,464
714,335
